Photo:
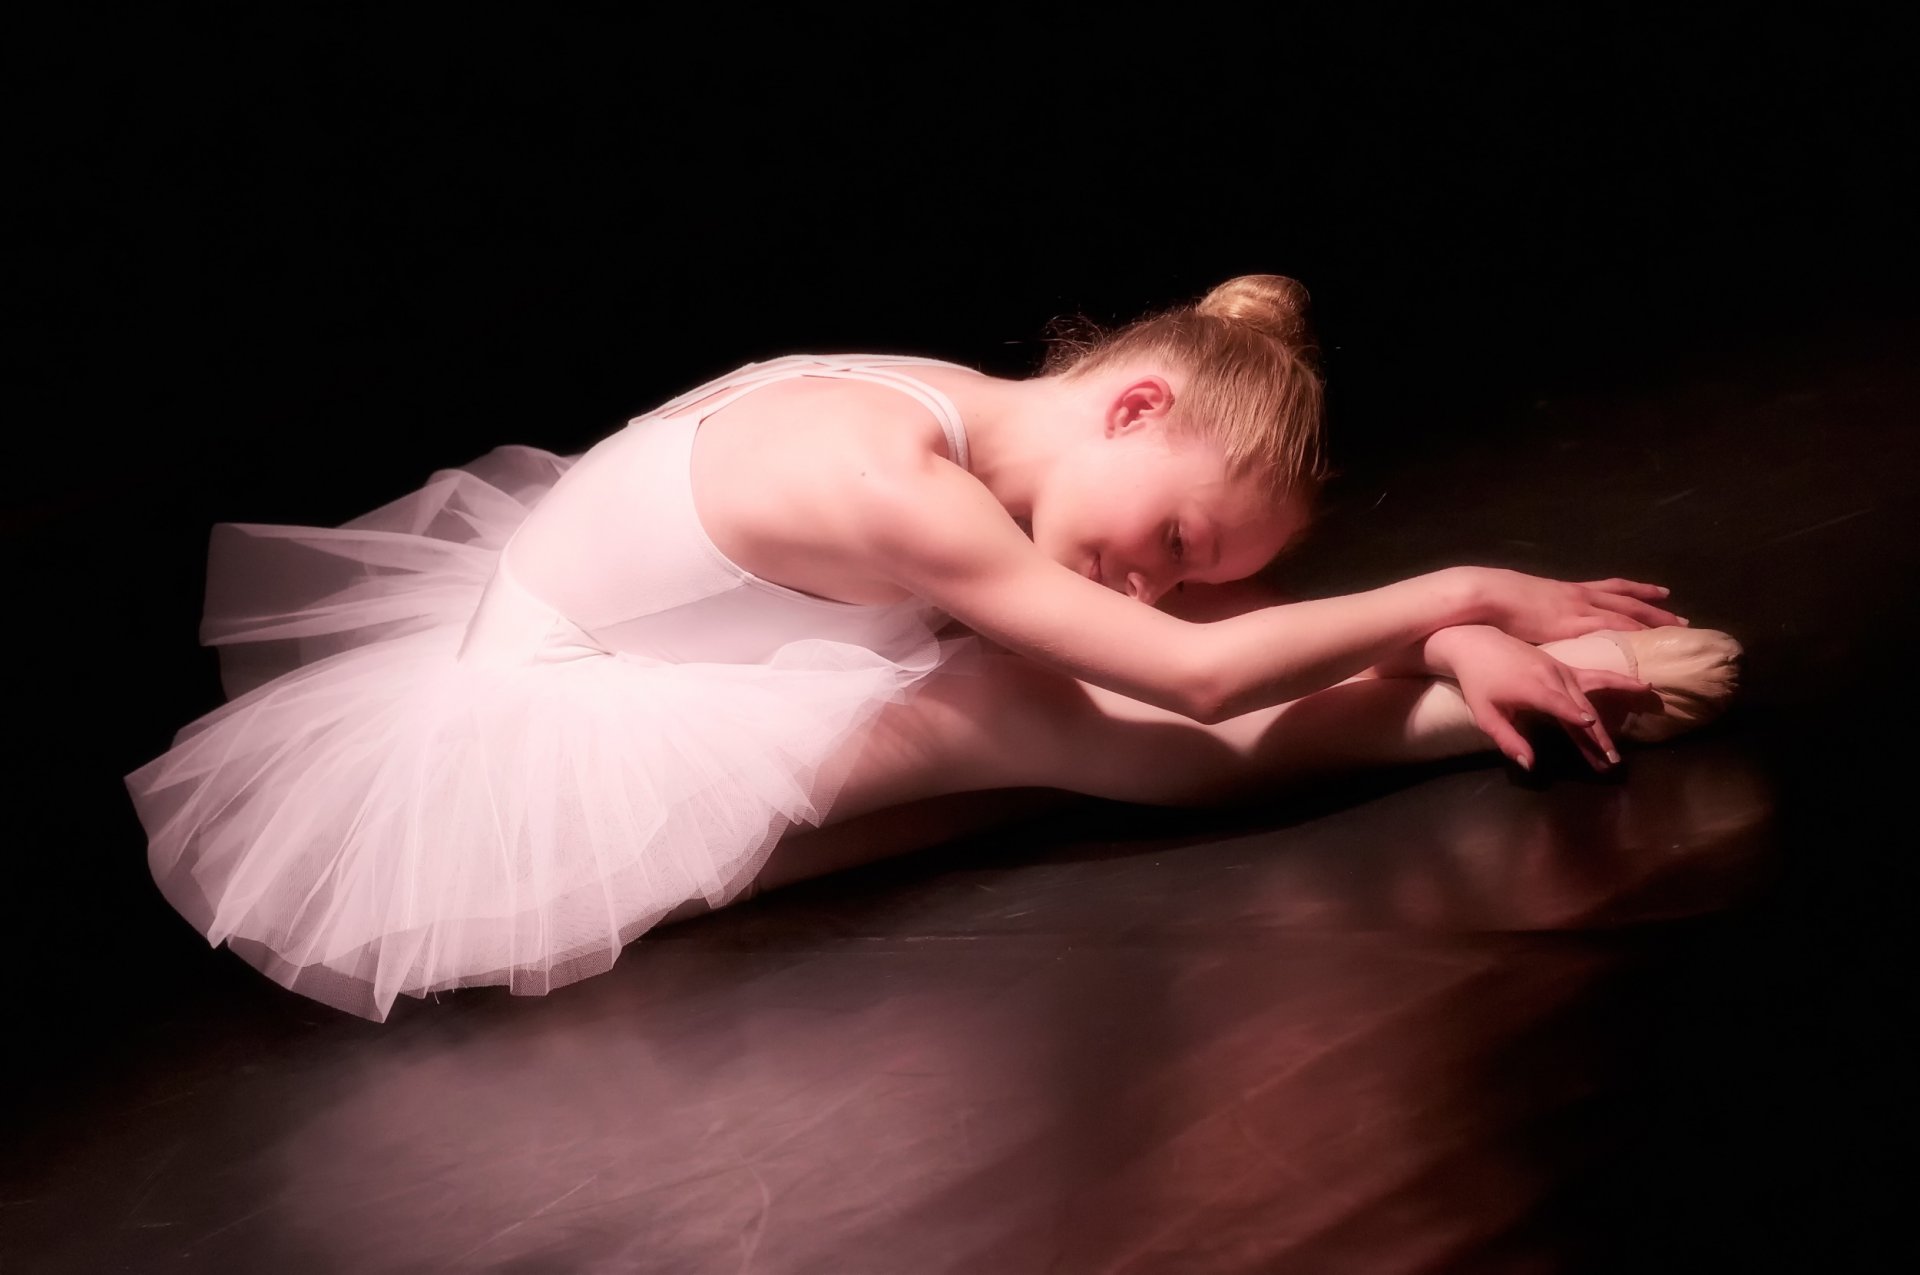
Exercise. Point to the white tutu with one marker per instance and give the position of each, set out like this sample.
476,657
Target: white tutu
377,812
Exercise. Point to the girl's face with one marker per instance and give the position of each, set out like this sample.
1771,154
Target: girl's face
1142,510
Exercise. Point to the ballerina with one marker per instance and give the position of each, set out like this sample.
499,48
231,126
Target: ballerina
498,728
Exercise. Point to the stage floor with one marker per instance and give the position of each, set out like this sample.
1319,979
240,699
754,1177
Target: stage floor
1452,1020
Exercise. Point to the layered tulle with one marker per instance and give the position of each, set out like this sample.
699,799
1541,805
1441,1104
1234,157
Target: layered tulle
376,812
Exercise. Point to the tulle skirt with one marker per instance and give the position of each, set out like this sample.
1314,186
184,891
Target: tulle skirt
381,808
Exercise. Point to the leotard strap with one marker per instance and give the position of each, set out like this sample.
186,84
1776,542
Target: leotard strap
879,369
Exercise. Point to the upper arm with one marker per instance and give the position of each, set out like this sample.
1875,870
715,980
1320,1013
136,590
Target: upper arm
938,532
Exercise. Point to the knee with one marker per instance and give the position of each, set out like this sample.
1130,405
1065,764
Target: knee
1007,722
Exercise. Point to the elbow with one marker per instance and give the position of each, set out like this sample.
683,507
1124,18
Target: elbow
1207,696
1213,710
1209,714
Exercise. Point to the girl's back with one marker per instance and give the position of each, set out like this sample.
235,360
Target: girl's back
714,528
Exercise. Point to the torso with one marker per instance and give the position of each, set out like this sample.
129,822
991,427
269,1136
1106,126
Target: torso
774,471
727,523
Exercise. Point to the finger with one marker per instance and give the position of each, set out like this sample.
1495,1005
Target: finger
1601,620
1628,695
1602,737
1583,723
1588,749
1632,588
1645,612
1591,715
1496,727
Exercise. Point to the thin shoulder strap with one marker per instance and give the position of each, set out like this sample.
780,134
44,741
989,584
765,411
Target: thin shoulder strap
876,368
750,377
881,371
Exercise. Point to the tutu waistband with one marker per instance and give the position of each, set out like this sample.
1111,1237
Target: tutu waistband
512,626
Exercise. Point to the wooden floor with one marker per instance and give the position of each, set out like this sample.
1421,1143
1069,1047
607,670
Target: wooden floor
1454,1020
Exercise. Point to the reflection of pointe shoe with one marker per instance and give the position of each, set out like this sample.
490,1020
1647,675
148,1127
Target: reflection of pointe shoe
1694,671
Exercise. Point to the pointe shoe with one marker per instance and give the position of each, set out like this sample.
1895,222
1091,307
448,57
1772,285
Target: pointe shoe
1694,671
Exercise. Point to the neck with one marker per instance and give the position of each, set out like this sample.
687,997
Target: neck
1016,432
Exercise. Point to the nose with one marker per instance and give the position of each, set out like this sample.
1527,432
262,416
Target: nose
1144,589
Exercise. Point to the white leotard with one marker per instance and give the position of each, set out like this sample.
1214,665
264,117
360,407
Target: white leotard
617,556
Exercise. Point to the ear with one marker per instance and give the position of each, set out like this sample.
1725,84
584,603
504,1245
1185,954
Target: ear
1141,403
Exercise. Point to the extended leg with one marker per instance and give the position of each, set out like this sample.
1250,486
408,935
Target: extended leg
1018,725
973,750
923,775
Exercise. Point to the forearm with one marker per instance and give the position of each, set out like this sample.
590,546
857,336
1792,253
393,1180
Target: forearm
1431,656
1281,653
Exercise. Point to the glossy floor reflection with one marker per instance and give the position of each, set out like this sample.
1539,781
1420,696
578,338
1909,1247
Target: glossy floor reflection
1333,1042
1448,1020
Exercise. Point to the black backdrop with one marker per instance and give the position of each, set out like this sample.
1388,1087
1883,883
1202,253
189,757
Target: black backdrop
315,251
279,266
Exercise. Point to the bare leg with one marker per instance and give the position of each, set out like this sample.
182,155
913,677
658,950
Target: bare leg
1019,725
901,829
933,773
921,775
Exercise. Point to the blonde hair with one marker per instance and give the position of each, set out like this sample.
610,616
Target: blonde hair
1253,375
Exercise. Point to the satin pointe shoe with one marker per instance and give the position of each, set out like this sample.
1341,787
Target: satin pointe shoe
1694,671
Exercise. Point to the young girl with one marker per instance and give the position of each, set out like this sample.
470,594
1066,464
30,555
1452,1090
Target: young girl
494,730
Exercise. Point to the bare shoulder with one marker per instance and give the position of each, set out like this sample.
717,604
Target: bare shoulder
790,480
831,452
832,417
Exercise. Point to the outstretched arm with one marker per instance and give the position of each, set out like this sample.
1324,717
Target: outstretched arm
938,532
1618,604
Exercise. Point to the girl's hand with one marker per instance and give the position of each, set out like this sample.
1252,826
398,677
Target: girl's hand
1538,610
1502,677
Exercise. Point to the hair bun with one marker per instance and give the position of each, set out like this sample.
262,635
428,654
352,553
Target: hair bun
1271,303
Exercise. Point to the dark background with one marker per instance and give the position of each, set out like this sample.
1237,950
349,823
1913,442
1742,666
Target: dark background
316,256
278,269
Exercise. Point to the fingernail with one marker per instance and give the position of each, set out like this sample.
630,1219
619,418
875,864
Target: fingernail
1684,620
1587,718
1613,757
1521,762
1665,591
